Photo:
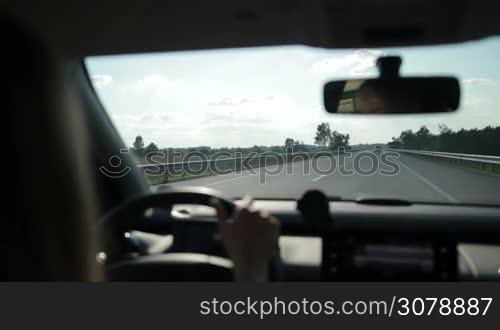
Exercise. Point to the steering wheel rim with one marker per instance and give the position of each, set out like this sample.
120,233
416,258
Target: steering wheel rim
130,214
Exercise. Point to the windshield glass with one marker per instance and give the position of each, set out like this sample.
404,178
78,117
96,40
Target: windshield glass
252,122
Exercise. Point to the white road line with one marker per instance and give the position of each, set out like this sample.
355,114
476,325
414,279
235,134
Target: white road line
323,175
430,184
319,177
228,180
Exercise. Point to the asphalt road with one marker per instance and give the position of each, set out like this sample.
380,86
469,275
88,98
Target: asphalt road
417,179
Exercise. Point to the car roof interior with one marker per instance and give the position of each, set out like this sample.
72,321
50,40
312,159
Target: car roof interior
87,28
48,83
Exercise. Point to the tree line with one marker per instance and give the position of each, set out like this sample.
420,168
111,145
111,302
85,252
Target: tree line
325,138
171,154
484,141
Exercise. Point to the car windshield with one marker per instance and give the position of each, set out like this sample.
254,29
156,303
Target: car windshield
252,122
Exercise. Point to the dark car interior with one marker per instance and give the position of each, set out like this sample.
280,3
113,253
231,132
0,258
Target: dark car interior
68,222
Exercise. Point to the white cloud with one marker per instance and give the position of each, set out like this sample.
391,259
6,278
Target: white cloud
278,113
153,82
479,81
235,101
101,80
228,101
360,62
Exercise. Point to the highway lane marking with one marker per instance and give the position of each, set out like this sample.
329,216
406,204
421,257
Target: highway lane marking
430,184
228,180
319,177
323,175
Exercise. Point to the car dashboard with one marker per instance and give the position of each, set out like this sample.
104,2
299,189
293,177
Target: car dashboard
417,242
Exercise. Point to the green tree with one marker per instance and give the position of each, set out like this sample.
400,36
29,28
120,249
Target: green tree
151,148
338,140
425,139
289,143
395,143
299,146
484,141
408,139
204,150
323,134
138,143
443,129
256,149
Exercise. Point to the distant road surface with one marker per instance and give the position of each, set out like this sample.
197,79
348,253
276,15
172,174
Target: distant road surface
418,179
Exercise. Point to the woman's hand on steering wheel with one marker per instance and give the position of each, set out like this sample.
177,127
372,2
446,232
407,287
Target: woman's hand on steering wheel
250,238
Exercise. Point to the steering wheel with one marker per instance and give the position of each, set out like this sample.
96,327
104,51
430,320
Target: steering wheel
129,215
167,266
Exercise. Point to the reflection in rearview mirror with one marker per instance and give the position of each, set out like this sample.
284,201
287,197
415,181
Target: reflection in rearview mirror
392,94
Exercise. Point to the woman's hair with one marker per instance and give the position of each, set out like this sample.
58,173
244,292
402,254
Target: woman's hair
52,214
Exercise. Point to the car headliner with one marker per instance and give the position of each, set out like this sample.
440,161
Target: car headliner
91,27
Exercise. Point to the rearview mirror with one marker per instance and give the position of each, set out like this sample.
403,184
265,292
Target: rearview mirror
390,93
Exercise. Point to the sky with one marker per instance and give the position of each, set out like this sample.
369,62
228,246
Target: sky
260,96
